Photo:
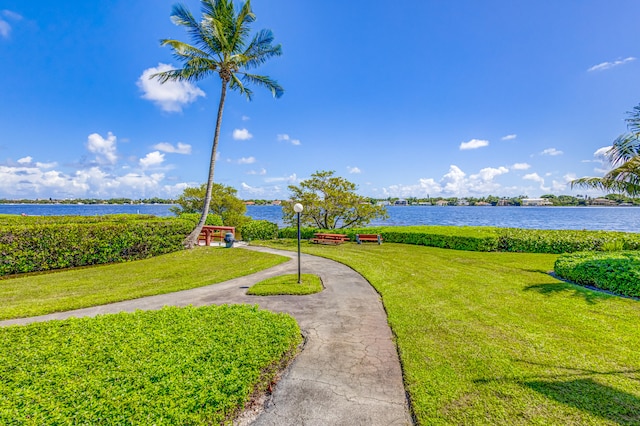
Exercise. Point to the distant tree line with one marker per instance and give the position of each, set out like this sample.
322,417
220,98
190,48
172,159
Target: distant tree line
153,200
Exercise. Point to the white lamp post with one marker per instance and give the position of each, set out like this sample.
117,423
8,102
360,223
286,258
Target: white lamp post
297,207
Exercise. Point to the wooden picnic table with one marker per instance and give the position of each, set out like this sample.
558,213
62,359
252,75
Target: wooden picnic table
323,238
210,233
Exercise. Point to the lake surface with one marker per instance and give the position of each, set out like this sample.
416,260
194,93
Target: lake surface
597,218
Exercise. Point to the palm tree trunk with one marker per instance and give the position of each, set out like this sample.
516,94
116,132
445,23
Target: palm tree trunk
192,238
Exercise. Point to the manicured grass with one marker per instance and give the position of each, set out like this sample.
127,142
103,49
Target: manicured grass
78,288
492,338
287,284
175,366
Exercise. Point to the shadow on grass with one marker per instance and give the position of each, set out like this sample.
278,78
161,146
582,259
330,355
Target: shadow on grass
577,388
548,289
588,395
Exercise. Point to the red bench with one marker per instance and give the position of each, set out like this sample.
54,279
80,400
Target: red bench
374,238
209,233
329,238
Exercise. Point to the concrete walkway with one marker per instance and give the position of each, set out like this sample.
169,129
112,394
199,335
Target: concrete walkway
348,372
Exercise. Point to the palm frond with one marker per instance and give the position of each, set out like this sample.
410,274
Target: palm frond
237,84
266,82
261,49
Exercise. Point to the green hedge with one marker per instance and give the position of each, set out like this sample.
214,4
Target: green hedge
175,366
45,246
618,272
258,230
564,241
478,238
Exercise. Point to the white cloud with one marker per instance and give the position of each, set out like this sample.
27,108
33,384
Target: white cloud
489,173
242,135
170,96
152,159
25,160
473,144
455,183
245,118
260,172
607,65
181,148
285,137
251,189
353,170
536,178
551,151
521,166
247,160
602,152
291,179
104,148
454,180
46,165
509,137
5,27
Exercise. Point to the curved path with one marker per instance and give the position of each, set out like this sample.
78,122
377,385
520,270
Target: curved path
348,372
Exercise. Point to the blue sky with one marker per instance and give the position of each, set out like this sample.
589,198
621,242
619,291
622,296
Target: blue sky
412,98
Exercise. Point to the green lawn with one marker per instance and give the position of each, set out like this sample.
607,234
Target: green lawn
492,338
287,284
31,295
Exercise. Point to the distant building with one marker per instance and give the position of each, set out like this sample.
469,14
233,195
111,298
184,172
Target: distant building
442,203
536,202
482,204
249,203
276,202
504,202
401,202
603,202
462,202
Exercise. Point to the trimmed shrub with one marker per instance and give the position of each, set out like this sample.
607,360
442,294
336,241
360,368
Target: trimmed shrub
46,246
618,272
259,230
174,366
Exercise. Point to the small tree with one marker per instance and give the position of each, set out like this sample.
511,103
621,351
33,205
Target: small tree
224,203
330,202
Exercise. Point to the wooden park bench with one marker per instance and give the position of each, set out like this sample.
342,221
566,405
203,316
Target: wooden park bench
373,238
209,233
320,238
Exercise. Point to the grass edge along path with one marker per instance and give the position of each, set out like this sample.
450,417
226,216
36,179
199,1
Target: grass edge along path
39,294
492,338
171,366
287,284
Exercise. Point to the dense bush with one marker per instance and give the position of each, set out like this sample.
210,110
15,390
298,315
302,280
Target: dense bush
565,241
46,246
259,230
12,219
618,272
175,366
479,238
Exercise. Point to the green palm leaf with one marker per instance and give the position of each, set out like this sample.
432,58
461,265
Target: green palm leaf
220,43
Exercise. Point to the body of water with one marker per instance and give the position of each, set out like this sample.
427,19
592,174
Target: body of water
596,218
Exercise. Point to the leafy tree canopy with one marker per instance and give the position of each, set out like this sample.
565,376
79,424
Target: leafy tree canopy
224,202
330,202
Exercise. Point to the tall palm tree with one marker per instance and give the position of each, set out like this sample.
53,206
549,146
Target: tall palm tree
220,45
624,158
